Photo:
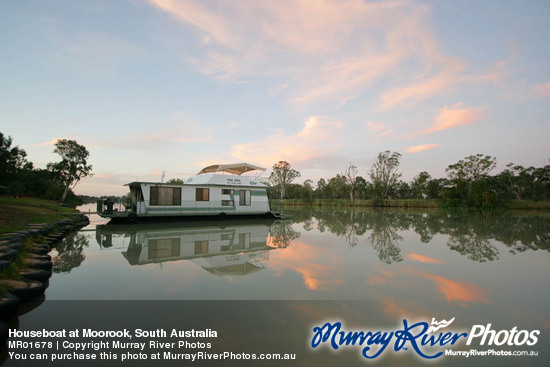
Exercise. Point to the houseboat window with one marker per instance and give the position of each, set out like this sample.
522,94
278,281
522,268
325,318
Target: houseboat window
244,240
227,202
226,236
227,192
165,196
163,247
201,247
202,195
244,197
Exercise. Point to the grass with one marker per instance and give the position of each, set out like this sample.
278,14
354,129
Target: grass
400,203
17,214
528,204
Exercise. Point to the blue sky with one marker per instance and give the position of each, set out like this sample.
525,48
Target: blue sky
168,85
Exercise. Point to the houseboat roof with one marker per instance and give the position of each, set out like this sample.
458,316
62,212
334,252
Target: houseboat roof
210,176
234,168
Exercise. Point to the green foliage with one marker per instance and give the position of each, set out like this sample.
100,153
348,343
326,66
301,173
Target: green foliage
175,181
73,166
12,160
419,185
282,175
384,174
350,177
469,183
471,168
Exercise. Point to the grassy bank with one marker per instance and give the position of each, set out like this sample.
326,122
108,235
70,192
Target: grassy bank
399,203
16,214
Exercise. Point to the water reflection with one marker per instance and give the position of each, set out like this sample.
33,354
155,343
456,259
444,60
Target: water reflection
282,234
69,253
221,248
471,234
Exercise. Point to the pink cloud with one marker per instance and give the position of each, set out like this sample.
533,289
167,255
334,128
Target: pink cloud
319,272
318,138
458,292
379,128
454,116
424,259
421,148
542,90
326,50
425,85
49,142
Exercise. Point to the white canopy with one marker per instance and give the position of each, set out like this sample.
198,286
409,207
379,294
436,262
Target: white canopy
234,168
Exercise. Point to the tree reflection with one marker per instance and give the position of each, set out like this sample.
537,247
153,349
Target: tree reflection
470,235
480,236
281,234
70,253
348,224
384,238
524,233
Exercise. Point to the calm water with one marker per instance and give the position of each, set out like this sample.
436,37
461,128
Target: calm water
418,260
383,265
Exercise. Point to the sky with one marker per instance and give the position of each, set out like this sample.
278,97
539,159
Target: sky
153,86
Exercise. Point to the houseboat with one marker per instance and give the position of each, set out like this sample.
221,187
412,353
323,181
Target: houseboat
219,190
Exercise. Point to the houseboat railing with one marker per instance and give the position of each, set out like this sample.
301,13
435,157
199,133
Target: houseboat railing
188,207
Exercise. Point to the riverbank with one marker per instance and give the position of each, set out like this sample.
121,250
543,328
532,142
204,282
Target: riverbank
399,203
17,214
29,229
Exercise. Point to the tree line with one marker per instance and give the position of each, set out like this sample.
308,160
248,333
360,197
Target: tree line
19,177
468,183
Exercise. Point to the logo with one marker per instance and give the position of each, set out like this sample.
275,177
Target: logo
426,340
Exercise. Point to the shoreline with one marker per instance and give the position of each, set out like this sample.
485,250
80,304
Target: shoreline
25,262
403,203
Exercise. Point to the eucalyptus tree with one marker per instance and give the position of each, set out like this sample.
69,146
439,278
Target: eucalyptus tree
384,174
73,166
419,185
471,168
470,182
282,175
350,176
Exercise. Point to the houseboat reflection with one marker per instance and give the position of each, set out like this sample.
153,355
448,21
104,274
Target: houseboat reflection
219,247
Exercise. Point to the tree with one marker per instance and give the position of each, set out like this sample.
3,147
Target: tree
350,175
321,190
362,188
337,187
384,173
12,159
73,166
307,190
517,180
471,168
282,175
175,181
419,185
470,183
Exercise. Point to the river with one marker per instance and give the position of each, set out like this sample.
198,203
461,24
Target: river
367,268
